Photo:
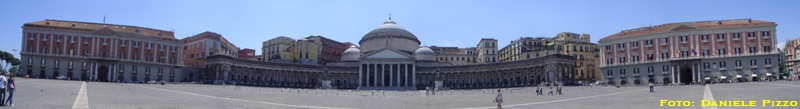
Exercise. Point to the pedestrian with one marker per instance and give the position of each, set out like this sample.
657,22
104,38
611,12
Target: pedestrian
3,83
559,89
499,99
651,86
551,91
539,90
11,90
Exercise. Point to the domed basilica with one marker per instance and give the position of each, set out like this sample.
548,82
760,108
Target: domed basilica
391,58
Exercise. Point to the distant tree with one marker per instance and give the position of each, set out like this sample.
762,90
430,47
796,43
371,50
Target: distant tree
13,69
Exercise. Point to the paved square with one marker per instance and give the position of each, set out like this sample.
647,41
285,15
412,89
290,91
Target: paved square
39,93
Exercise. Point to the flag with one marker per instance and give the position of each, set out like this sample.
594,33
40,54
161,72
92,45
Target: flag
693,51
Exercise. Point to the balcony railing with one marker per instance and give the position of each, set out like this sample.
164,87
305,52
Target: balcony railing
636,74
753,66
694,57
722,68
666,72
768,65
751,37
103,58
738,67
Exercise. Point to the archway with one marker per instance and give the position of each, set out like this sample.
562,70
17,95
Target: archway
41,74
686,75
29,72
667,81
55,74
69,74
102,74
637,82
623,82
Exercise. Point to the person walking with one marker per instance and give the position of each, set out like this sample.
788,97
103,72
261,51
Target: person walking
3,83
558,89
551,91
651,86
499,99
11,90
539,90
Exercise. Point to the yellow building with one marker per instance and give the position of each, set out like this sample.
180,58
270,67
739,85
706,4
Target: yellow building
306,51
279,48
567,43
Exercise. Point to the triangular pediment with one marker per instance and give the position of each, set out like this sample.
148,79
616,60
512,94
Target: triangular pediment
682,27
387,54
105,30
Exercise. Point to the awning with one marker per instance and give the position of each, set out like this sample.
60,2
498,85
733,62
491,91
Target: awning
707,78
753,75
738,76
769,74
723,77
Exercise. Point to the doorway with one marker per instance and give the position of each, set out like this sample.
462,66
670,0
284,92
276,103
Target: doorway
686,75
102,74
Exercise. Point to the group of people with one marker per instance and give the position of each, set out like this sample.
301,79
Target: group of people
540,90
7,85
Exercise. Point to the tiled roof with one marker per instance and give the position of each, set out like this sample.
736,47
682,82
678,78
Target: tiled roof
631,33
96,27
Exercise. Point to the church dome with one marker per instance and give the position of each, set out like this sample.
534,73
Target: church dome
351,54
424,54
389,35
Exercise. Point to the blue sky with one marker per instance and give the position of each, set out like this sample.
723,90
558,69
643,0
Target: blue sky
435,22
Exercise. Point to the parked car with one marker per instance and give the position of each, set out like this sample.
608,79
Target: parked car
151,82
61,77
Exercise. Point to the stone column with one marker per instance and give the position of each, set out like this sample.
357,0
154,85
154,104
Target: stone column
391,75
374,75
360,75
694,75
679,74
413,77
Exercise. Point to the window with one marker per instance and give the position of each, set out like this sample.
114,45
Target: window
765,33
648,42
665,68
622,72
650,57
738,63
737,50
720,36
736,35
722,64
610,73
767,48
665,55
752,49
684,39
636,58
721,51
751,34
664,40
767,61
650,69
704,37
635,44
707,65
635,71
752,62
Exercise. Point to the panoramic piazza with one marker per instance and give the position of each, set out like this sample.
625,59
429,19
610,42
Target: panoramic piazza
399,54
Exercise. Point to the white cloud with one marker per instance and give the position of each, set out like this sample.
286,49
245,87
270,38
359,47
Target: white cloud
781,45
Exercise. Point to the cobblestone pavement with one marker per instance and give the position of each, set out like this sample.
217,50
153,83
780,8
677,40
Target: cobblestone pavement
39,93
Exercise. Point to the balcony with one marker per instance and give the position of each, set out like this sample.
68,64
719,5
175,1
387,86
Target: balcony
636,75
736,38
751,37
698,57
722,68
738,67
663,43
666,72
765,37
768,65
648,45
704,41
684,42
621,76
753,66
649,73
